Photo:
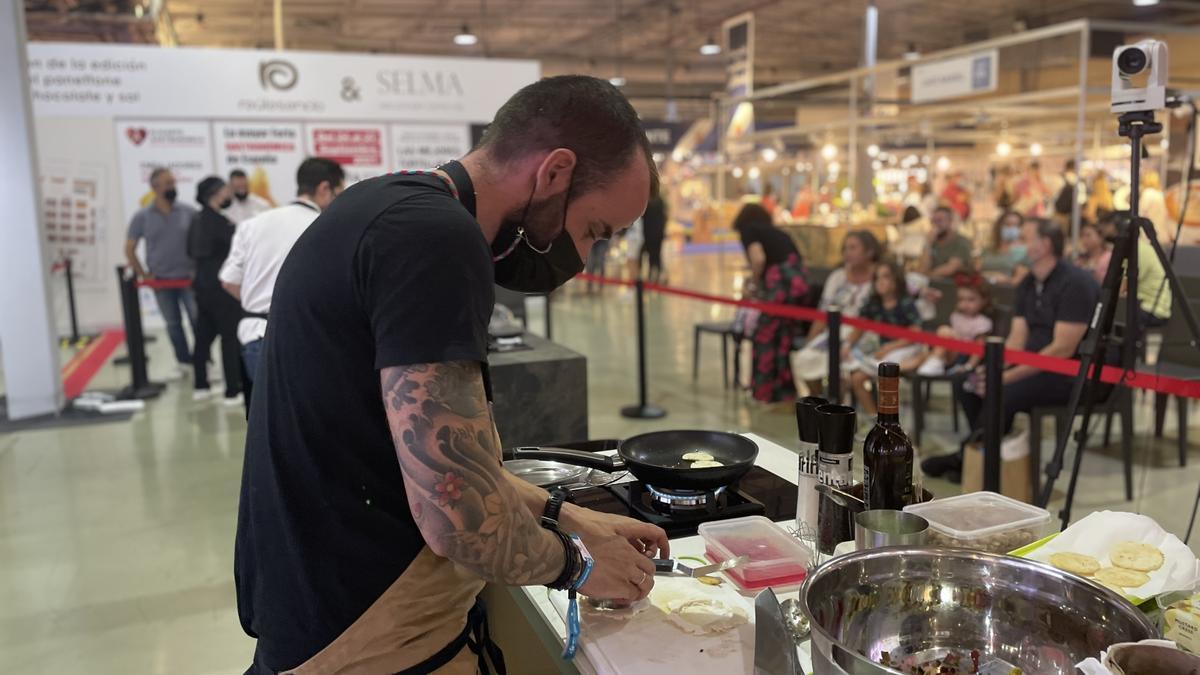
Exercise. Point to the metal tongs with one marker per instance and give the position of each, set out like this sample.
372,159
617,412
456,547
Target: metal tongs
671,566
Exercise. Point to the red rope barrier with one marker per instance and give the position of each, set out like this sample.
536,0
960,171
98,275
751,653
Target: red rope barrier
160,284
1113,375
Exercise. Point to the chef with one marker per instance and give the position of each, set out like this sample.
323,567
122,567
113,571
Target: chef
374,506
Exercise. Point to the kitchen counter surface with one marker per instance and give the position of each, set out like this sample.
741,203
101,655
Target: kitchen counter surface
539,603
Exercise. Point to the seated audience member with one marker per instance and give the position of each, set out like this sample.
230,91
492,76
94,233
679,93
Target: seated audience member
1054,304
911,236
847,289
778,278
1153,291
947,252
863,351
970,321
1005,263
1094,250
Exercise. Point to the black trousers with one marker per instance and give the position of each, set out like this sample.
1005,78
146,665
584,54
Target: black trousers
218,314
1042,389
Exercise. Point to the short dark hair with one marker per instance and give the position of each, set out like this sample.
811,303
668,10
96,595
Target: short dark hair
237,173
316,170
944,209
1048,229
868,241
156,172
583,114
752,217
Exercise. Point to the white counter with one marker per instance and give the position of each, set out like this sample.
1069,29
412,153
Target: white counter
539,603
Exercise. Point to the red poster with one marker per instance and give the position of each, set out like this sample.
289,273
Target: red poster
352,147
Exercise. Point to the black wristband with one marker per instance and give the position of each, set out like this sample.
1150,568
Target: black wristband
554,508
572,564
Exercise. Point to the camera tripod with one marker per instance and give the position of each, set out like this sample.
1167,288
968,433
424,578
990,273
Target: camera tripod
1122,266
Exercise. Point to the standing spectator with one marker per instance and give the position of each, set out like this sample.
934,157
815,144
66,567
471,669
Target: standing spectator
1153,207
1094,251
956,196
1031,192
802,205
1054,304
164,225
245,204
261,244
218,313
948,251
654,231
768,199
1072,189
595,264
778,278
1005,263
1100,199
1002,188
847,289
863,351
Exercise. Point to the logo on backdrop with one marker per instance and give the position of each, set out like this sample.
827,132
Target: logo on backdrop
350,90
277,74
402,82
136,134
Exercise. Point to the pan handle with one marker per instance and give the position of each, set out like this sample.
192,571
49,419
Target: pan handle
607,463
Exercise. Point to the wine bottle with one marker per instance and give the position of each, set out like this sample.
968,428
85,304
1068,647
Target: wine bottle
835,467
887,453
808,423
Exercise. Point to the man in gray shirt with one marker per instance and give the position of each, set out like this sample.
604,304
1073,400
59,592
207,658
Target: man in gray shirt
164,225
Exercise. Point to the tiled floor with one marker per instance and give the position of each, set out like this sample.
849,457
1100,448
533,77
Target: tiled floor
116,540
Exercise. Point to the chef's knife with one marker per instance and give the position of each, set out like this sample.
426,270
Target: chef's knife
672,566
774,648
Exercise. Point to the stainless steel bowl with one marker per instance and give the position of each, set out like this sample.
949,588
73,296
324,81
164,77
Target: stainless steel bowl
914,600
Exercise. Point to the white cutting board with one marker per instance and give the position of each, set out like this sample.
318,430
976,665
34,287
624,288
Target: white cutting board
649,644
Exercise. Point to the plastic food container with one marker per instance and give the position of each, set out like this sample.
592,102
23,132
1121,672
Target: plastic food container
983,521
776,558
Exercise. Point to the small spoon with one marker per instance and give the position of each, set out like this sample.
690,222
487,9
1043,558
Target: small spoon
842,498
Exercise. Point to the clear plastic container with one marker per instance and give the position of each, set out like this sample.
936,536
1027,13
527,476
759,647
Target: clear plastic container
776,558
983,521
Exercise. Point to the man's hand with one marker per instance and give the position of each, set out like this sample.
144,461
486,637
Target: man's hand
650,540
620,572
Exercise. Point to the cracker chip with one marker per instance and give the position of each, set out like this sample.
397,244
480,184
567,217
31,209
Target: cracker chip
1119,576
1075,563
1133,555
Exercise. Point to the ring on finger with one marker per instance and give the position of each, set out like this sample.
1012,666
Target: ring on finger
645,575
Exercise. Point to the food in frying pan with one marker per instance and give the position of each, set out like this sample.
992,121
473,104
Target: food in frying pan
706,464
697,456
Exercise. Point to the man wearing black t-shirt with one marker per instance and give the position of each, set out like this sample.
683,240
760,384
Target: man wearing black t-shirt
1054,304
374,506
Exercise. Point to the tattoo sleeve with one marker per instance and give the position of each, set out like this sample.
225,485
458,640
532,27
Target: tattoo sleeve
457,490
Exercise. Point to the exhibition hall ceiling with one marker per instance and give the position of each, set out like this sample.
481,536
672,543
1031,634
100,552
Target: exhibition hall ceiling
635,39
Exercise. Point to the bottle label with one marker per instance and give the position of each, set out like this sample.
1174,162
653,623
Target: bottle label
835,469
889,396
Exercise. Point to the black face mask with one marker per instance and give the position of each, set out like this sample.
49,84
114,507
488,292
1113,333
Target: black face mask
170,195
522,267
241,196
226,204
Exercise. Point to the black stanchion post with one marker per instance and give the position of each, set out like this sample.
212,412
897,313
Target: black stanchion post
549,329
141,387
834,322
68,272
643,410
993,411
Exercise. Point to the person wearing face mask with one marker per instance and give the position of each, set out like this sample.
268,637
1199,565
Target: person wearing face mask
260,246
164,224
245,204
1005,263
217,313
948,252
374,505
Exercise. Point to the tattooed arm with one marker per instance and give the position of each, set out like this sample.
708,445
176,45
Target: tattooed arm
465,507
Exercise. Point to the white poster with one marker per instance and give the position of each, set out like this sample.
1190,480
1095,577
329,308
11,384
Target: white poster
269,153
143,145
75,212
424,146
952,78
361,149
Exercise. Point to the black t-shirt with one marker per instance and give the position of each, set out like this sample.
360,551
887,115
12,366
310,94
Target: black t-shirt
1068,294
776,243
395,272
209,238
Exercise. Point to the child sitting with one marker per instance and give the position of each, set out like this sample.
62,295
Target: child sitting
890,303
970,322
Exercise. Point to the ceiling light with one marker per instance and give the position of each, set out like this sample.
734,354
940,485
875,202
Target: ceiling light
872,150
1144,3
737,172
877,165
138,10
754,173
617,81
912,52
1003,148
710,47
847,195
769,154
800,166
465,37
1035,149
834,167
677,155
657,157
943,163
829,151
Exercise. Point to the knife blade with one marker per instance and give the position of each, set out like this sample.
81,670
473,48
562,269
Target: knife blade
774,649
673,566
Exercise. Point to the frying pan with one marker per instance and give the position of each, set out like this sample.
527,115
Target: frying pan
656,458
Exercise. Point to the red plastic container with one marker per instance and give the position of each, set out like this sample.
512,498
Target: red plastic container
776,558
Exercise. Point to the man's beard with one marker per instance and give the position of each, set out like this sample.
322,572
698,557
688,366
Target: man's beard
543,221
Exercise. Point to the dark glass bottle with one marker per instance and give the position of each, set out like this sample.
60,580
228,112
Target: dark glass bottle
887,452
